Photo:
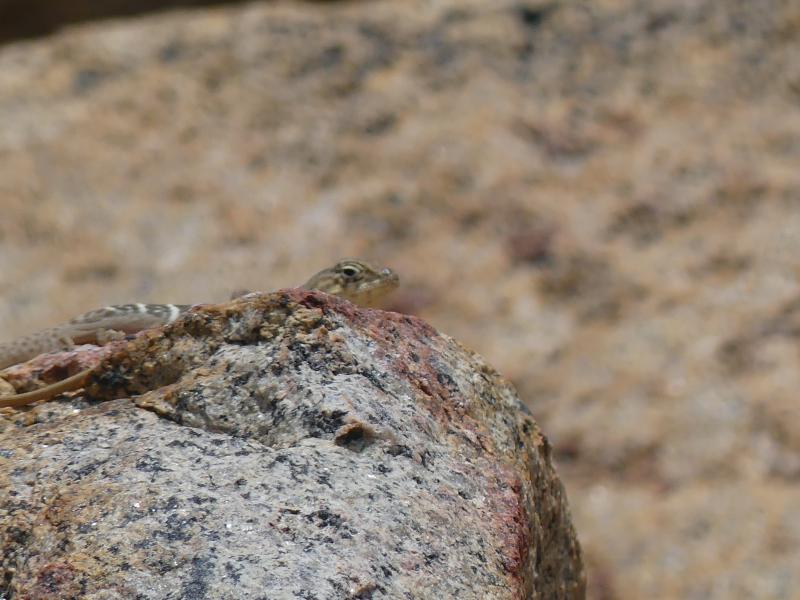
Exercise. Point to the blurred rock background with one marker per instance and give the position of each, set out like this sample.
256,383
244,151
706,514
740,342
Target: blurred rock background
602,198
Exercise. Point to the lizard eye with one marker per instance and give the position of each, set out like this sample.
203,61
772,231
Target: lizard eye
350,271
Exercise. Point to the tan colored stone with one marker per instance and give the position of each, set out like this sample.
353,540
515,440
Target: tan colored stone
282,446
177,157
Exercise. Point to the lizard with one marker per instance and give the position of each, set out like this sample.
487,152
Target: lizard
352,279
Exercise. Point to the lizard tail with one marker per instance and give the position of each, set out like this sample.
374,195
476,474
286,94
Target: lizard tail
65,385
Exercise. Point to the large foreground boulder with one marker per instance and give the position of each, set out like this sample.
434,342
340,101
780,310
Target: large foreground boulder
285,445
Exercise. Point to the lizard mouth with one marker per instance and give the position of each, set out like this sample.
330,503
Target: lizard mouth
371,292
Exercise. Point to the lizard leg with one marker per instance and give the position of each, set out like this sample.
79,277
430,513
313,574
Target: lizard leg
104,336
6,389
65,342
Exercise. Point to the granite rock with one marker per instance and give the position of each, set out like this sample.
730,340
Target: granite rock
288,445
601,197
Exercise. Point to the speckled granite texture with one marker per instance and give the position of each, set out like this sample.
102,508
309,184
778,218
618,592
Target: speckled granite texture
601,197
286,445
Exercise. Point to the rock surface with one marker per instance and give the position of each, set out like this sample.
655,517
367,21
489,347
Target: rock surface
600,197
287,446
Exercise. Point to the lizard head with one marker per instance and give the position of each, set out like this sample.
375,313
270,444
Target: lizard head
355,280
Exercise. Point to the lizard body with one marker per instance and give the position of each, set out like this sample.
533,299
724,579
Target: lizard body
354,280
94,327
